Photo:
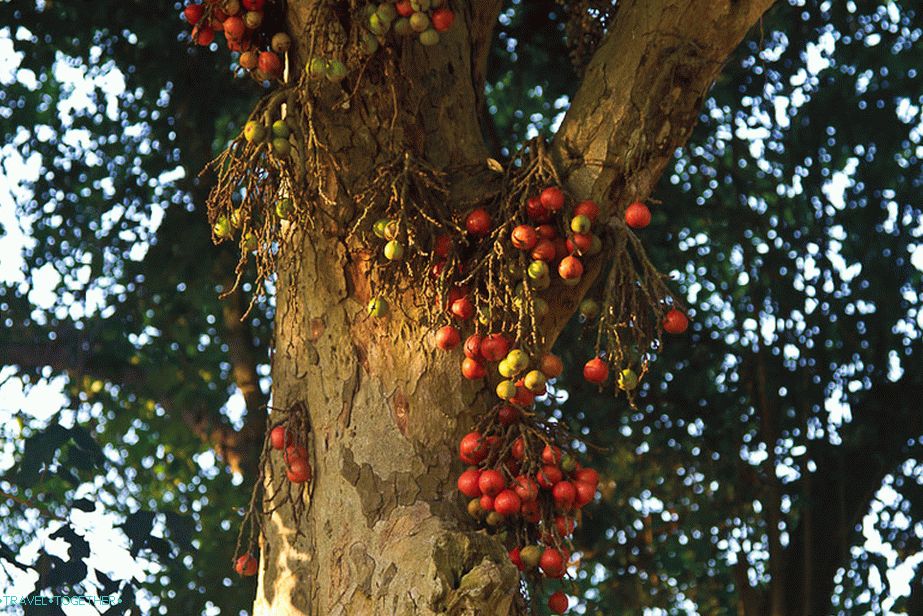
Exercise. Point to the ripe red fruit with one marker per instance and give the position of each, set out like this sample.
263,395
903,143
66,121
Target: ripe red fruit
269,63
279,437
246,565
570,268
514,557
253,5
462,309
586,492
544,251
560,248
587,208
495,347
404,8
551,454
552,199
587,475
443,242
525,488
442,19
596,371
552,563
523,397
565,525
234,28
508,415
558,603
193,13
551,365
548,476
295,452
507,503
536,211
546,232
519,448
579,242
531,512
204,36
487,502
472,347
478,222
298,471
675,322
447,337
468,483
637,216
564,494
491,482
473,448
524,237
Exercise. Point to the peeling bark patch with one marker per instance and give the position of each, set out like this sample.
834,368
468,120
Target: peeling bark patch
386,578
364,568
380,496
401,410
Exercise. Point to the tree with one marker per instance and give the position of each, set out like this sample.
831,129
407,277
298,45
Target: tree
353,363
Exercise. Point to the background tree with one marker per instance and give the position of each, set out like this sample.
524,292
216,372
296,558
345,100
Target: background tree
809,297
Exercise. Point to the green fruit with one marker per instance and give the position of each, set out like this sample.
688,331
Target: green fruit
386,12
589,309
237,218
281,147
628,379
517,360
568,464
391,230
394,251
534,381
402,27
378,307
369,43
495,519
419,22
285,208
541,283
505,369
336,71
280,129
530,556
540,306
420,5
429,37
506,390
474,509
581,224
281,42
378,26
250,243
254,132
379,227
596,246
222,228
316,68
538,269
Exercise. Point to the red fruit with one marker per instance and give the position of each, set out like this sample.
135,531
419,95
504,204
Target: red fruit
552,563
468,483
478,222
447,338
491,482
204,36
512,466
455,293
548,476
523,397
579,242
587,475
298,471
519,448
514,556
551,454
279,437
551,365
675,322
546,232
535,211
564,494
495,347
508,415
586,492
570,268
507,503
246,565
473,448
295,452
442,19
436,270
524,237
552,199
544,251
462,309
565,525
587,208
560,248
443,242
472,346
234,28
531,512
253,5
637,216
525,488
596,371
404,8
241,45
558,603
193,13
487,502
269,63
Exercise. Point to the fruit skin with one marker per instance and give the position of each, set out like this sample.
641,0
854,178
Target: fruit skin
204,36
530,556
468,483
544,251
473,448
491,482
581,224
552,563
472,346
472,369
565,525
515,559
518,450
394,251
378,307
558,603
531,512
428,38
248,60
281,42
298,471
534,381
506,390
551,454
443,246
585,493
253,19
675,322
279,128
335,71
279,437
254,5
495,519
546,232
193,13
222,228
536,211
524,237
524,397
518,360
462,308
270,64
548,476
628,379
478,222
474,508
443,19
570,268
596,371
526,488
552,199
404,9
447,338
246,565
551,365
234,28
587,475
564,495
637,215
587,208
284,208
507,503
589,309
580,242
254,132
494,347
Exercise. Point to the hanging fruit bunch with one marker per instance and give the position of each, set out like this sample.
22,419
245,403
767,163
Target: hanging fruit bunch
423,19
251,28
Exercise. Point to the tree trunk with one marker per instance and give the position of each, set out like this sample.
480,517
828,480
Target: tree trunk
385,532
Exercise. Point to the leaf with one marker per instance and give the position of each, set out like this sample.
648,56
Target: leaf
84,504
39,451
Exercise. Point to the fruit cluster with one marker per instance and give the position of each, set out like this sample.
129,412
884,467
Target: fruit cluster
244,27
425,19
278,133
297,467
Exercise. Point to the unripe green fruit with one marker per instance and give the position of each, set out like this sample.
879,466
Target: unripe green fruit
540,284
378,26
222,228
538,269
378,307
316,68
540,306
419,22
281,42
394,251
596,246
249,243
429,37
530,556
237,218
474,509
505,369
495,519
581,224
568,464
281,147
571,282
589,309
254,132
284,208
506,390
386,12
628,379
420,5
370,44
402,27
534,381
379,227
280,129
517,360
336,71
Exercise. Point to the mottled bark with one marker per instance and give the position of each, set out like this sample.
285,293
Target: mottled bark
385,532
